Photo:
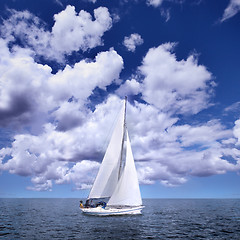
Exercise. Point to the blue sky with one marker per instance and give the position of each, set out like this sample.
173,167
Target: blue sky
65,66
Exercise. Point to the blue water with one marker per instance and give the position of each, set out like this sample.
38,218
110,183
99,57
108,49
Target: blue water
161,219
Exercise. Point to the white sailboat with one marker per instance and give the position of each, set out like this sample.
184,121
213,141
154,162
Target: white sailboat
116,186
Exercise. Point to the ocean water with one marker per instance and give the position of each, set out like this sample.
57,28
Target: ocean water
161,219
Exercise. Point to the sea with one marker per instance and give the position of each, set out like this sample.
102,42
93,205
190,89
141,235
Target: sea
161,219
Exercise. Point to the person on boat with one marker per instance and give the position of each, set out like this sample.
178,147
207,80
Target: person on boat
92,205
81,204
87,204
102,204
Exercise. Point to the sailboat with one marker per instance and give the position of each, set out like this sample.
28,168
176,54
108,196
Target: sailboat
116,188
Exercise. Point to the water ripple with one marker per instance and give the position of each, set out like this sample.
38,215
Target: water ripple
161,219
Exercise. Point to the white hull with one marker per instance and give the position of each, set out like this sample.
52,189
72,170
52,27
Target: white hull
99,211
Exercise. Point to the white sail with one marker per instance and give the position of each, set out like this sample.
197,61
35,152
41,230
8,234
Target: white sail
107,178
127,191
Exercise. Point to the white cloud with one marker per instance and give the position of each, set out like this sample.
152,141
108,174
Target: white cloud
155,3
205,135
69,115
93,1
165,13
130,87
232,108
175,155
149,174
22,104
175,86
81,79
39,92
71,31
164,151
158,3
82,174
115,17
48,156
236,131
132,41
232,9
59,3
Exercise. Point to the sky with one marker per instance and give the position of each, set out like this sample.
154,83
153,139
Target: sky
65,67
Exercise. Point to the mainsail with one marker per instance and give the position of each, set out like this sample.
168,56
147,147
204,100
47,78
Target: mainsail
107,177
117,176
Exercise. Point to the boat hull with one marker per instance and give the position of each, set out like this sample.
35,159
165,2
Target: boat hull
99,211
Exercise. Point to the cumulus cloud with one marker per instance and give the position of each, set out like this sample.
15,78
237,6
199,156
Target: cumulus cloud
172,85
69,115
164,150
18,104
40,92
132,41
46,157
49,156
232,9
169,152
178,155
81,79
130,87
82,174
71,31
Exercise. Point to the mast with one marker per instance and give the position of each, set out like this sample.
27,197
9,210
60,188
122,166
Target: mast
124,130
